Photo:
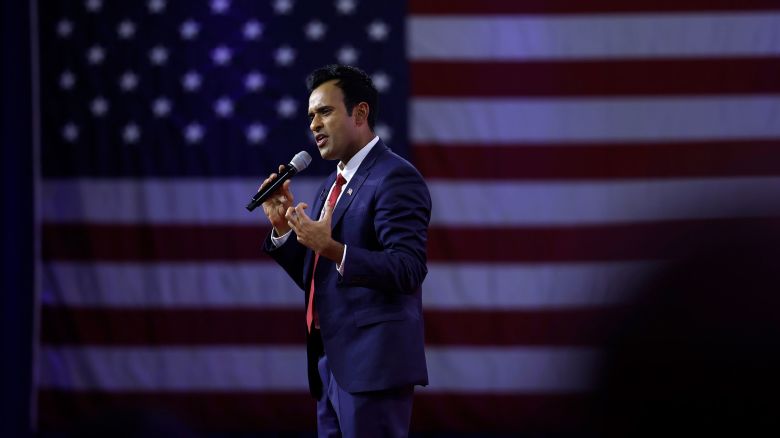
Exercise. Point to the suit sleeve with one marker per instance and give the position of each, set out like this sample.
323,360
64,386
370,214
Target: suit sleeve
290,256
402,214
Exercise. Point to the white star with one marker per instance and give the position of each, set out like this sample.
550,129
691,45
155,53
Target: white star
191,81
93,5
221,55
254,81
155,6
64,28
219,6
381,81
283,7
193,132
347,55
126,29
384,132
70,132
255,133
284,56
286,107
378,30
315,30
223,107
346,7
96,55
252,30
131,133
99,106
158,55
189,29
161,106
67,80
128,81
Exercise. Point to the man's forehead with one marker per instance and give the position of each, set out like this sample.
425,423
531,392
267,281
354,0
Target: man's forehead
326,94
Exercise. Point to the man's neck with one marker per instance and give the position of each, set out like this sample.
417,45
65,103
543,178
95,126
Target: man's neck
362,142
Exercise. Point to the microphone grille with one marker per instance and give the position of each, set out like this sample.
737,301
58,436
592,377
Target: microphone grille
301,160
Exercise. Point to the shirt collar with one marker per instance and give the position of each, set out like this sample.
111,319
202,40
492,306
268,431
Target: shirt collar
349,170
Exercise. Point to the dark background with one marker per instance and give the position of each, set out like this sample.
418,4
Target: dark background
17,217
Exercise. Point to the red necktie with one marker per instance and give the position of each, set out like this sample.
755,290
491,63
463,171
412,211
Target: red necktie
334,196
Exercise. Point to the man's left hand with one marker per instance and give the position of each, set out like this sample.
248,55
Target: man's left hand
315,235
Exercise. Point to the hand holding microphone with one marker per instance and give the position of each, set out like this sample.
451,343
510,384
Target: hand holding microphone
275,195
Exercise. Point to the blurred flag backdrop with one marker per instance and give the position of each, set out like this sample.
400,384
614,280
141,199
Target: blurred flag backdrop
563,142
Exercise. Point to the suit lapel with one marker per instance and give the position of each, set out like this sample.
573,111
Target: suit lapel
350,191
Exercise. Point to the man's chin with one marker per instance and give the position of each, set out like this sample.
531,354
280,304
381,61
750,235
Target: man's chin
326,153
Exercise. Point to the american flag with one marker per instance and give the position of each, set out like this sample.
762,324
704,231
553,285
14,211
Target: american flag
563,143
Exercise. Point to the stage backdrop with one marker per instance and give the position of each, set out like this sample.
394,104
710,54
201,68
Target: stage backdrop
564,143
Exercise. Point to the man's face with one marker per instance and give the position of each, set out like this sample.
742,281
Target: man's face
333,128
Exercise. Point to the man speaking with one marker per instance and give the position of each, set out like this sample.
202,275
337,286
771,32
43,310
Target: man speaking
358,252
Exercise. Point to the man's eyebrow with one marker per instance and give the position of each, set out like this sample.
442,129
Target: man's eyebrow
320,109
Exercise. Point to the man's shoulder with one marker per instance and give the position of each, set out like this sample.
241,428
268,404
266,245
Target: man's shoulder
390,162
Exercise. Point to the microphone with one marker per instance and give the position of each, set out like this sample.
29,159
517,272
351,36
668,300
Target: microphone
300,161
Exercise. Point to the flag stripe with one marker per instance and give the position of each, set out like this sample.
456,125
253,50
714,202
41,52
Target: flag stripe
591,161
596,78
547,7
128,201
248,327
607,36
448,286
511,204
566,201
469,121
502,370
295,411
614,242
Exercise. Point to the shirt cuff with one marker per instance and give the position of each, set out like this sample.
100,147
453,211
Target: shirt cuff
278,241
340,266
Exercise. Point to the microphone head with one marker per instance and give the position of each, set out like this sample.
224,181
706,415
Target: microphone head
301,160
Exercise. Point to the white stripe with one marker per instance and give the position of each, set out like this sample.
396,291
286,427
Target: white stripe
177,201
507,38
454,202
534,369
265,285
615,119
579,203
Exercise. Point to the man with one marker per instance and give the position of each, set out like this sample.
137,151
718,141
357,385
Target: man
361,264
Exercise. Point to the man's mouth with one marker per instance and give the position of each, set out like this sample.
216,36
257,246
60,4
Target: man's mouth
321,140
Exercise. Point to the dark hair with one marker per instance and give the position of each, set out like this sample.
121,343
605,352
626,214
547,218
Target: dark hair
354,83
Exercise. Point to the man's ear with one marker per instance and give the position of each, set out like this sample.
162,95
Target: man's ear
360,112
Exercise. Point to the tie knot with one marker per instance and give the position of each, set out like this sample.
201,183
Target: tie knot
340,181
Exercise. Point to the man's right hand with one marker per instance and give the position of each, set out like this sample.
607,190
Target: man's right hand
276,206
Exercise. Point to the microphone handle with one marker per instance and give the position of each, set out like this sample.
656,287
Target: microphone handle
265,192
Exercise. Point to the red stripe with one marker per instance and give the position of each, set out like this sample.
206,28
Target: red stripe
618,242
153,242
596,78
295,412
190,327
471,7
632,241
599,161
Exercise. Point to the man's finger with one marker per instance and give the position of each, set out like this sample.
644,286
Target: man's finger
327,213
291,215
300,213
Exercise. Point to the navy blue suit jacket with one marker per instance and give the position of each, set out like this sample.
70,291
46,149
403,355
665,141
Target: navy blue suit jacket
371,318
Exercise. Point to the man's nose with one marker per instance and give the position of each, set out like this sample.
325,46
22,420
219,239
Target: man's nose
315,124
